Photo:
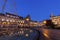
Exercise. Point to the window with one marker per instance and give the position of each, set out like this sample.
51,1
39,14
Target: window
3,19
10,20
7,20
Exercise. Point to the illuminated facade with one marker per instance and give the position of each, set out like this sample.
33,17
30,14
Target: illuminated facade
55,20
15,20
9,19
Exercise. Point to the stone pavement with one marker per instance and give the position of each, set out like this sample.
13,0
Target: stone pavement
32,34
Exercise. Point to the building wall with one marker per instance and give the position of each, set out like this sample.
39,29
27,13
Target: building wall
56,20
9,21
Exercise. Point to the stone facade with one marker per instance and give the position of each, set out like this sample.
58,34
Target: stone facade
55,20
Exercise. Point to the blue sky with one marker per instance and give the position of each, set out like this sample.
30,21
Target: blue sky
38,9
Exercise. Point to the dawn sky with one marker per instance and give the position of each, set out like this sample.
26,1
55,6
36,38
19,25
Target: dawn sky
38,9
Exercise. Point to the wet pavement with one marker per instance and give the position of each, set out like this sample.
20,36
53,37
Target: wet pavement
23,34
33,34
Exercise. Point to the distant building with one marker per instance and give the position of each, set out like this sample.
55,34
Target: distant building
15,20
44,24
56,20
9,19
34,24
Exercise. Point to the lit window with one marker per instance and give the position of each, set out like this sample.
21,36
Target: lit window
31,31
10,33
10,20
56,23
27,35
26,24
3,19
7,20
21,29
44,22
27,19
22,21
31,22
13,20
21,32
35,23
